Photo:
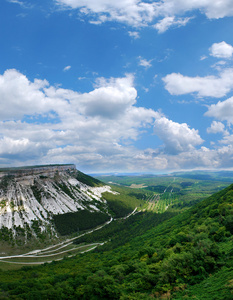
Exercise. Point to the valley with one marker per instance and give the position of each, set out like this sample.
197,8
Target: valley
162,237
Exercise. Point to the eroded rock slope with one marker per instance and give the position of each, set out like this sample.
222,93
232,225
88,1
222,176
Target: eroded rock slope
30,197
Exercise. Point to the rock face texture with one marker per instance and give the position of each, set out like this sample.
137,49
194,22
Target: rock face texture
30,196
37,170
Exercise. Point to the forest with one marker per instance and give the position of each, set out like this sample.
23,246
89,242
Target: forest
77,221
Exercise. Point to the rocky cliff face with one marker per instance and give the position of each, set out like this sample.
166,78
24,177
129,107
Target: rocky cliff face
30,197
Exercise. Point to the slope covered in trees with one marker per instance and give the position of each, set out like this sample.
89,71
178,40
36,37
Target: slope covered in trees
81,220
189,255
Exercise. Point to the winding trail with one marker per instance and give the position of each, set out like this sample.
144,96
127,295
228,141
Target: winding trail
53,250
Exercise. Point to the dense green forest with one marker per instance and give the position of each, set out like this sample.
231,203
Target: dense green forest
124,201
86,179
186,255
77,221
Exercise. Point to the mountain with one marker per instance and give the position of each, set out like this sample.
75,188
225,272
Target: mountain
34,201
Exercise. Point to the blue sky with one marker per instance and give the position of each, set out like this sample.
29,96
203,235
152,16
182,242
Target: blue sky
131,86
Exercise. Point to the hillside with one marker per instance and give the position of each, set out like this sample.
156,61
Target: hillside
41,203
147,256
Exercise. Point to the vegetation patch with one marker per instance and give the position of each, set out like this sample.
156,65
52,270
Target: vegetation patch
124,202
88,180
36,193
5,181
65,189
3,203
81,220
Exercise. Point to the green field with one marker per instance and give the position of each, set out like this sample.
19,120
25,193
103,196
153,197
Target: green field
168,192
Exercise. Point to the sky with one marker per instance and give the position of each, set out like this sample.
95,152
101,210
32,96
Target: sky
117,86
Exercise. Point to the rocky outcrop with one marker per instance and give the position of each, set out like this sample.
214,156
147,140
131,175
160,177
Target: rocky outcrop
47,170
29,197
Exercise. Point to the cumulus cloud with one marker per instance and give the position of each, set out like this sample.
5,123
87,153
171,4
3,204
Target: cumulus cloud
141,13
208,86
110,99
203,158
47,123
134,34
164,24
212,9
219,65
19,96
222,111
18,148
217,127
134,12
221,50
144,62
199,158
64,126
176,137
228,140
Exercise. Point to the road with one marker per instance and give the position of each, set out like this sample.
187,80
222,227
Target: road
58,249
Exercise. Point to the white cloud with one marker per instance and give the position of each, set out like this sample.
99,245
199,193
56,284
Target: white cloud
139,13
212,9
19,96
167,22
134,34
23,4
219,65
18,148
44,124
221,50
227,140
134,12
110,99
176,137
67,68
203,57
16,1
217,127
208,86
81,128
13,146
222,111
144,62
201,158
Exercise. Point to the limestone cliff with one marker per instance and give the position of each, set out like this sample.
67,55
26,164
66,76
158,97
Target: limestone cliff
30,196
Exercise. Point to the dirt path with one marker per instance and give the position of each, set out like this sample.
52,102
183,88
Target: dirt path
58,249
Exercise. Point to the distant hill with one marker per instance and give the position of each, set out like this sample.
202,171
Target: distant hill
206,175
